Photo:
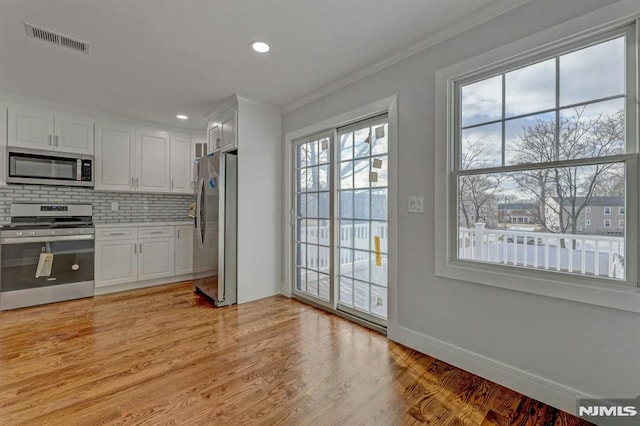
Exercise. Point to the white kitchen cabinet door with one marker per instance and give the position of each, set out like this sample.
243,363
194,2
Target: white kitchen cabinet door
184,249
156,258
213,137
73,134
114,158
152,172
180,165
229,128
30,128
116,262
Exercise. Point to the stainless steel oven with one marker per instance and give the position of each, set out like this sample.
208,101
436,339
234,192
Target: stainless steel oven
46,255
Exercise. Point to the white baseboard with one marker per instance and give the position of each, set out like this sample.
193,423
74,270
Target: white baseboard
531,385
141,284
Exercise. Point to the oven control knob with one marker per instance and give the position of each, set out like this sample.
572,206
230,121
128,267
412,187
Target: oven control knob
18,233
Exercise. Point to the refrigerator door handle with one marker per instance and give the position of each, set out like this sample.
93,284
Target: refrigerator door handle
199,207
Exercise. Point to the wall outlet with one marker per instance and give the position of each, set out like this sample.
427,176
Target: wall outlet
114,206
416,204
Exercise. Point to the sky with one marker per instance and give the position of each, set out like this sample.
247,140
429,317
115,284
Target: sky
591,73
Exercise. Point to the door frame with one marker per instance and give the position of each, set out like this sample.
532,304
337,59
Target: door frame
389,106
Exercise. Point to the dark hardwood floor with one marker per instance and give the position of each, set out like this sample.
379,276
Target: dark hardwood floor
165,356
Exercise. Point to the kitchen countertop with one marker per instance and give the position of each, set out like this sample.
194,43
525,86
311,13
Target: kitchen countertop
140,224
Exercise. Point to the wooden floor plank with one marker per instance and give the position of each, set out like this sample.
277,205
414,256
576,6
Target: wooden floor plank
164,355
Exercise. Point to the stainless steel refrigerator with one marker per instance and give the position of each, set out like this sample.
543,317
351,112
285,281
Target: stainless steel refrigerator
215,227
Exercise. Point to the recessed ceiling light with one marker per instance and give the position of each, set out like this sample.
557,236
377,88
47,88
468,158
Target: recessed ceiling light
182,117
260,46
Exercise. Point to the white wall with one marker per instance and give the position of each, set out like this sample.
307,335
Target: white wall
548,348
259,200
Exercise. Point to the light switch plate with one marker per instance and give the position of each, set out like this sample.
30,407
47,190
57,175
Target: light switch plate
416,204
114,206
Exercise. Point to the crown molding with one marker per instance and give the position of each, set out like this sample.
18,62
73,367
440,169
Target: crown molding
96,114
470,21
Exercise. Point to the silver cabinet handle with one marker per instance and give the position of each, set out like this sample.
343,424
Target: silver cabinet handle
156,232
171,183
55,140
140,248
178,234
132,182
137,180
135,248
50,139
116,233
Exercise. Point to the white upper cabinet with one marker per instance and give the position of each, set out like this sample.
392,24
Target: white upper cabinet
228,126
73,134
38,128
222,130
115,157
180,164
153,155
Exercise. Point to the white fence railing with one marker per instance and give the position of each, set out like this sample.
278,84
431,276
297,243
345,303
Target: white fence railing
359,236
598,255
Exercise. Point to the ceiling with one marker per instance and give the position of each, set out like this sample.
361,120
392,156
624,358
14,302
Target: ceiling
152,59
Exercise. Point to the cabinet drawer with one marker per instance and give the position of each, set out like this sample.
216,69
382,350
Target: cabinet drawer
107,234
155,231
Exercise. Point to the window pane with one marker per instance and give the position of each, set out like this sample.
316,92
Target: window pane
301,205
312,179
379,301
482,101
551,218
530,139
346,204
312,205
592,73
346,291
481,147
531,89
301,231
379,204
301,155
346,262
323,259
379,273
346,146
301,279
346,175
361,235
323,154
379,166
361,142
346,233
301,254
361,295
323,178
312,257
361,204
324,287
325,232
361,173
380,144
594,130
361,265
379,229
323,208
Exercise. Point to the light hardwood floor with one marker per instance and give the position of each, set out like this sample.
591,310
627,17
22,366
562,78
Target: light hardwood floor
165,356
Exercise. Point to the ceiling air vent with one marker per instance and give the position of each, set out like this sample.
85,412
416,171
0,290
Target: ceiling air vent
56,38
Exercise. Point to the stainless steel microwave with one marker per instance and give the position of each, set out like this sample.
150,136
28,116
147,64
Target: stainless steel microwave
32,166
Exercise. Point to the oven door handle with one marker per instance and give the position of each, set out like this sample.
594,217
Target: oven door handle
45,239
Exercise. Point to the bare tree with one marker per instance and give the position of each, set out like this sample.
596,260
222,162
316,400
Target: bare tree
477,192
566,191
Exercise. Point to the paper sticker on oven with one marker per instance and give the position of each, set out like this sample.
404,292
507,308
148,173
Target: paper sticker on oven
44,265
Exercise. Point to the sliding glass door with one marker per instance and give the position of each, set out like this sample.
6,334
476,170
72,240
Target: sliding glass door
341,233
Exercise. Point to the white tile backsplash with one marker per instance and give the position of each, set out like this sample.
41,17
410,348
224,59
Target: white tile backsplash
131,207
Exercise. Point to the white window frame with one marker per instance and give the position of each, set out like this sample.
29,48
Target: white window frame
607,211
620,210
620,223
588,222
567,36
588,210
607,223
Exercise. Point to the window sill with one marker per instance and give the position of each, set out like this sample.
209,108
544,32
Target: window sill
589,290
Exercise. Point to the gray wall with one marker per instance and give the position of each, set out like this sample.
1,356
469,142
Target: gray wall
587,348
131,207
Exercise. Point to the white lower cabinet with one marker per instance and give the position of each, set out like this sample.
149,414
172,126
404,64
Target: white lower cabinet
137,254
116,262
184,249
